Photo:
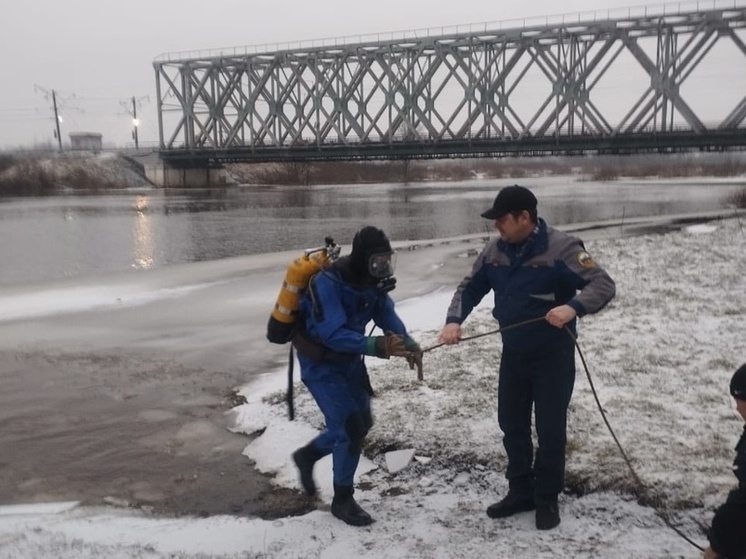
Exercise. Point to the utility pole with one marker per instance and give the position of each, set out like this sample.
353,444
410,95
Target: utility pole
57,118
134,101
135,122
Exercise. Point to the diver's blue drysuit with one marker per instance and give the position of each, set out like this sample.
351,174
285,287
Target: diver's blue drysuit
332,318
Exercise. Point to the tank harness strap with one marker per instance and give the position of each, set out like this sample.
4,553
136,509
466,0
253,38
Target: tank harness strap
307,346
289,393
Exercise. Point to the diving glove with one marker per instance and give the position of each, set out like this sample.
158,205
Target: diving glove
386,346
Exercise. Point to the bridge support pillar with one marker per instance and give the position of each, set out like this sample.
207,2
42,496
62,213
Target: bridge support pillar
167,176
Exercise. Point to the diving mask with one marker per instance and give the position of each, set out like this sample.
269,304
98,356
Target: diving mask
381,265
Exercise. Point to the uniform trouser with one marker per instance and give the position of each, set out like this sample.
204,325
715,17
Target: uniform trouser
346,407
544,380
727,536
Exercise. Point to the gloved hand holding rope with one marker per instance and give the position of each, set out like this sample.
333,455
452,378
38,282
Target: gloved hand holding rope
394,345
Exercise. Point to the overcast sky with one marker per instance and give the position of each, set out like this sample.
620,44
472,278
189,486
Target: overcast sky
97,55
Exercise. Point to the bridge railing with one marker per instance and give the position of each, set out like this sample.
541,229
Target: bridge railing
644,11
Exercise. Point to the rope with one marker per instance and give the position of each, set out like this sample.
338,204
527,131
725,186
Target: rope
640,486
638,482
490,333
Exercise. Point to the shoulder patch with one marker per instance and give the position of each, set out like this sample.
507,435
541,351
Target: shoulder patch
586,260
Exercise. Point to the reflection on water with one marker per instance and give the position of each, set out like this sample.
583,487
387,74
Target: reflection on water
143,235
69,236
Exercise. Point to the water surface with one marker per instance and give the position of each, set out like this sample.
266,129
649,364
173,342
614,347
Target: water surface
69,236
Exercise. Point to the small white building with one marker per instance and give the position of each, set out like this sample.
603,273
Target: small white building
88,141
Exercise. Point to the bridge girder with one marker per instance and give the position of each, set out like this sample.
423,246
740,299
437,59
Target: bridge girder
512,89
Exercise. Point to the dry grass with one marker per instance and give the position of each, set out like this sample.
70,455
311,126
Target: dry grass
738,199
38,176
300,173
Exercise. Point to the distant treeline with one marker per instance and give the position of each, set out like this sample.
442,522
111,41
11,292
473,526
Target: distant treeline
33,175
591,168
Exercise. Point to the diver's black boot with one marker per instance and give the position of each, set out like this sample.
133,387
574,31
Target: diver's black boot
346,509
305,458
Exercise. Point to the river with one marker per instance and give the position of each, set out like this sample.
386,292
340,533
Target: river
71,236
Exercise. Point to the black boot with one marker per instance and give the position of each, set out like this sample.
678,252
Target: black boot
547,514
346,509
511,504
305,458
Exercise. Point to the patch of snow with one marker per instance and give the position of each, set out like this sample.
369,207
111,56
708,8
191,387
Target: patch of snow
701,228
38,508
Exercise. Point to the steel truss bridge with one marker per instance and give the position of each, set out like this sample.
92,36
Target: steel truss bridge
602,82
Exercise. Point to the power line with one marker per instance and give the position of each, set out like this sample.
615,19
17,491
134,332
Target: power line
57,104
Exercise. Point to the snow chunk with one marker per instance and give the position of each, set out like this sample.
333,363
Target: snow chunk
397,460
702,228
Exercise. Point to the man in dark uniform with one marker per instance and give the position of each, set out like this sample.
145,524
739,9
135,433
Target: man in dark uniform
331,342
728,532
534,271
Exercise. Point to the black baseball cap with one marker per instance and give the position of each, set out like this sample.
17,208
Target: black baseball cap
511,199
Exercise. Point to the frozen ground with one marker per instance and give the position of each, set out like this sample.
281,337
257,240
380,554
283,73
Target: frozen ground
660,355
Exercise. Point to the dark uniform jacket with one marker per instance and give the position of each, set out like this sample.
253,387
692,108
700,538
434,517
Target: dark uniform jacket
728,533
738,495
528,280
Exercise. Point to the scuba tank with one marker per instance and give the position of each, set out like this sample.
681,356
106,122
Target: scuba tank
299,273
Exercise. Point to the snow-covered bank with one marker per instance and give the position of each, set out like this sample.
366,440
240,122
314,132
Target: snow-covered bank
660,355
